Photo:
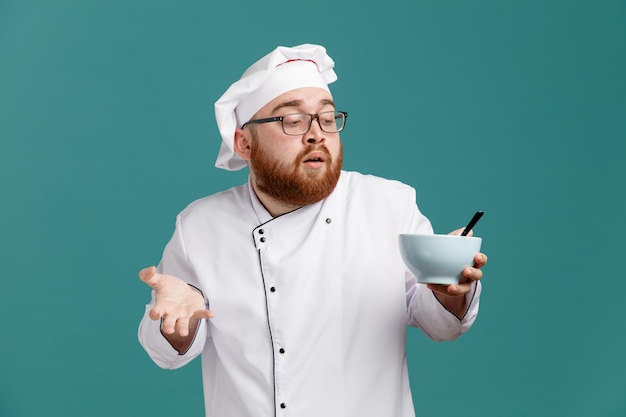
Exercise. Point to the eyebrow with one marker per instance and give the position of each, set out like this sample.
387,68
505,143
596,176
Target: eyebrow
298,103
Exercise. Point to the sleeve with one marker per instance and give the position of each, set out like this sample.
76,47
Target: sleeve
430,316
423,308
176,263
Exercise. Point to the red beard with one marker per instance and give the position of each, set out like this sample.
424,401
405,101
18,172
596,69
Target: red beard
292,184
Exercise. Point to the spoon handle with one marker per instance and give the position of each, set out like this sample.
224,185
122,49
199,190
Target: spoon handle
472,223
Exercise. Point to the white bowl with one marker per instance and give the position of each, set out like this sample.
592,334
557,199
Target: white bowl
438,259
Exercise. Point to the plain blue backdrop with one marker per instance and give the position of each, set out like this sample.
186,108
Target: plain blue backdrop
516,108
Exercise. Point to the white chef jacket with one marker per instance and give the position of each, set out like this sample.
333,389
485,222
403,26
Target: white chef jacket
311,307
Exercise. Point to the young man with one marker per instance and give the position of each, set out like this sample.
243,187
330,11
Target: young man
292,287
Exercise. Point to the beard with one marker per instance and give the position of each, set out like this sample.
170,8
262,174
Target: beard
291,183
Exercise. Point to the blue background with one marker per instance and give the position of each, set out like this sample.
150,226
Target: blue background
516,108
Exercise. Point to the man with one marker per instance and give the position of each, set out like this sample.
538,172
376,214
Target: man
292,287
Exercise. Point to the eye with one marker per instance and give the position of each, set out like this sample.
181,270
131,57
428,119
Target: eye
328,119
293,120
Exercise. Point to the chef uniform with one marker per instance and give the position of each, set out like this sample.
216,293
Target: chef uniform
311,307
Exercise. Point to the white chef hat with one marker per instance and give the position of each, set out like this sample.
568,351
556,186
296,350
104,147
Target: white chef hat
281,70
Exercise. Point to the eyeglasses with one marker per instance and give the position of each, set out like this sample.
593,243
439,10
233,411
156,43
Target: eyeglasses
296,124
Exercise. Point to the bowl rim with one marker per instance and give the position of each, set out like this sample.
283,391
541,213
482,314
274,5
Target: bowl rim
437,236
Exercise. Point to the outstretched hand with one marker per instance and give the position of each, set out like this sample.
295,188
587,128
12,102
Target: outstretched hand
177,303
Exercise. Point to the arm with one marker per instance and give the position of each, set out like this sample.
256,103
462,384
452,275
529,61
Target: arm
172,330
444,312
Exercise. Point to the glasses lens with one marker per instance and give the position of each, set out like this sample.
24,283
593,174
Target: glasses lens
331,121
296,124
300,123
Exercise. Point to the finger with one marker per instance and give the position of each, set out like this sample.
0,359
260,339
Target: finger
444,289
155,313
203,314
153,279
471,274
452,290
460,289
182,326
480,260
148,275
168,325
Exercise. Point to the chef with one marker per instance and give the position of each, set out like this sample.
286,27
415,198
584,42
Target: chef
291,287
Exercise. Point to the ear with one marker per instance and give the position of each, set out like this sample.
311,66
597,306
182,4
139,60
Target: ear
242,144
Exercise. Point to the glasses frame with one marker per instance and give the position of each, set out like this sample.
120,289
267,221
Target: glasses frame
313,117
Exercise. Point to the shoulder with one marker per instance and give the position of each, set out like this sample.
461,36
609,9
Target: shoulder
383,203
389,203
218,204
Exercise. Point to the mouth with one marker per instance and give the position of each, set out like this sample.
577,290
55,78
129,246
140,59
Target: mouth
316,157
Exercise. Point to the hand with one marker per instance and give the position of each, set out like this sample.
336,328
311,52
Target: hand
470,275
178,304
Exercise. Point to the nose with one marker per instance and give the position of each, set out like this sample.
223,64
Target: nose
315,133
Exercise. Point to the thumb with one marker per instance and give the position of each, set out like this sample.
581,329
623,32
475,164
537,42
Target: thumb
203,314
149,276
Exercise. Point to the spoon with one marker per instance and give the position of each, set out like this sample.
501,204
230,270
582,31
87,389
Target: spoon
472,223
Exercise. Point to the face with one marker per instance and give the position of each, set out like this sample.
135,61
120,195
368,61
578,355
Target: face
295,170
